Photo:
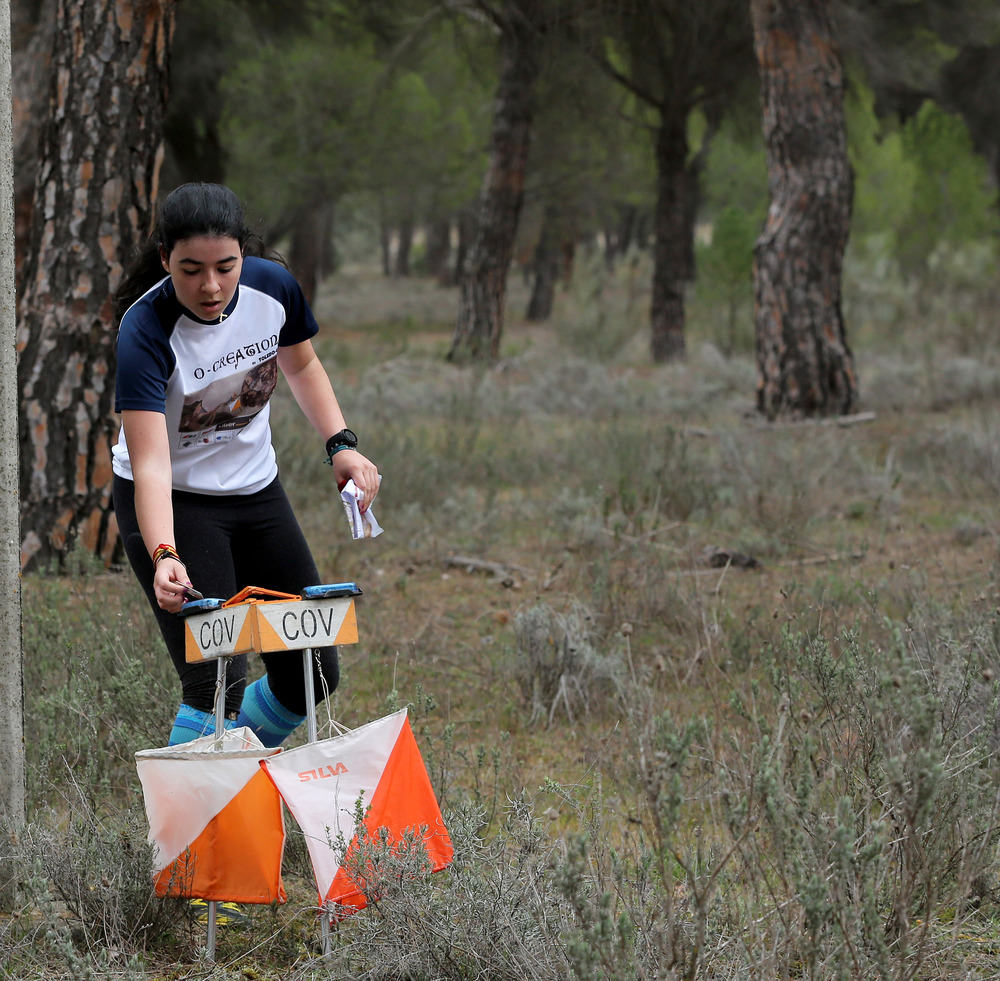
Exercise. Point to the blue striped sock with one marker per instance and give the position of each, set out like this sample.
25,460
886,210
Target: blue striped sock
263,713
192,723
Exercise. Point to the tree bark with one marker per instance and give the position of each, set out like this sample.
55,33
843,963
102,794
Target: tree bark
466,234
438,249
545,267
384,236
483,285
304,251
31,50
310,253
673,256
329,258
97,177
620,233
804,364
404,246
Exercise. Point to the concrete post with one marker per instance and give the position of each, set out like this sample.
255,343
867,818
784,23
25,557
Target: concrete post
12,782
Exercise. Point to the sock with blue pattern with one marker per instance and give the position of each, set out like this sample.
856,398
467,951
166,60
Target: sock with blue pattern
192,723
263,713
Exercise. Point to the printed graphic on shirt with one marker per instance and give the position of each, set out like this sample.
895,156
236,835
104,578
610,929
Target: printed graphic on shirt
256,352
217,412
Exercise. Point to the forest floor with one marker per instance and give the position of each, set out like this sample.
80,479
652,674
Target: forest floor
574,549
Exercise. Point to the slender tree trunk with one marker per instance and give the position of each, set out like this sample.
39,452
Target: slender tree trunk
97,176
545,266
466,235
304,250
404,246
31,51
192,123
674,232
438,248
329,260
484,278
567,255
623,233
804,364
310,252
384,237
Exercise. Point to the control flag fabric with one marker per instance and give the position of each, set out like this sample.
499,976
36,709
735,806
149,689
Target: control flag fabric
377,764
215,820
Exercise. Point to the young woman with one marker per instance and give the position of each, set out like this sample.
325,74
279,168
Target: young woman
205,324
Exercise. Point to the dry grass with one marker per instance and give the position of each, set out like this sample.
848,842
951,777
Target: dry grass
549,586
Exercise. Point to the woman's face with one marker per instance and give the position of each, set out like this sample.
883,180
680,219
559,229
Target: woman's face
205,271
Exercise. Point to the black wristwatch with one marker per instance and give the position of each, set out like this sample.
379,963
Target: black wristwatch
344,440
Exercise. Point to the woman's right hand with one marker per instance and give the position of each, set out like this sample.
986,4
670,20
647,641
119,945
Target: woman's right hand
351,465
169,582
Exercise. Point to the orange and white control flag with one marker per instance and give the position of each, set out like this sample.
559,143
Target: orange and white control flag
377,764
215,820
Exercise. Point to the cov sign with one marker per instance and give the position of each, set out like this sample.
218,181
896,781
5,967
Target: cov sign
256,627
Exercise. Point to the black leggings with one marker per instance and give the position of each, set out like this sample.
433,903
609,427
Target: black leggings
227,543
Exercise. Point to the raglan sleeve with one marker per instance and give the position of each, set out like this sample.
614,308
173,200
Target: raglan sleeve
144,366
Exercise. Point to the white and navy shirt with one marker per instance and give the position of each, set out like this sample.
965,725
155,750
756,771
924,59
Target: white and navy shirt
212,380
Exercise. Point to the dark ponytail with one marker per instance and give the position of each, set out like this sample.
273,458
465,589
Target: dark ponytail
188,211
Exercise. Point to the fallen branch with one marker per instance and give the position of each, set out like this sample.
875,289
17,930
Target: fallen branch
822,559
811,560
502,573
843,422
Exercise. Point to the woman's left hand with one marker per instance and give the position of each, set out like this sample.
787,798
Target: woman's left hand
352,465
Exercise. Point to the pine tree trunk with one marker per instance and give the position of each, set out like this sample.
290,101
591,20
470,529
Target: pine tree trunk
329,260
311,254
619,233
404,247
31,50
438,249
466,235
305,249
804,364
567,254
674,236
97,176
545,267
384,237
483,284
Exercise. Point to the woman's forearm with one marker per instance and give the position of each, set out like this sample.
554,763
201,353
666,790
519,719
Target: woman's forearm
153,508
152,475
